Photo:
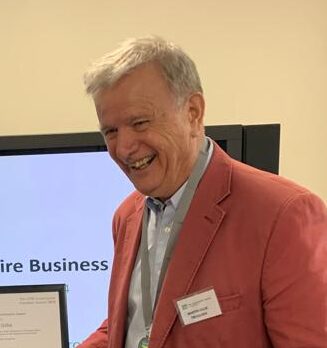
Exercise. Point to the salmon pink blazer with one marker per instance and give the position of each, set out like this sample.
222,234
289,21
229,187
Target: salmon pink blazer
260,241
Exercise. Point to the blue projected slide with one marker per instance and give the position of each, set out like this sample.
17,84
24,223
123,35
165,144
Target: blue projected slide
55,227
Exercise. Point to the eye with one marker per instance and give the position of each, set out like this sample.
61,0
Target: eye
141,125
109,133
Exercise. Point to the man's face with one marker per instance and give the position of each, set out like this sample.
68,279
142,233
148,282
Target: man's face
153,141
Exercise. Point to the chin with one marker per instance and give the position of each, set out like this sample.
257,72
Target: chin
149,192
144,190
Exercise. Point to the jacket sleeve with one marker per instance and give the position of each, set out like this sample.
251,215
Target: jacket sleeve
98,339
294,278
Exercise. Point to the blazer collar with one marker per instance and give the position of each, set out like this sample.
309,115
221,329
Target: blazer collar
199,229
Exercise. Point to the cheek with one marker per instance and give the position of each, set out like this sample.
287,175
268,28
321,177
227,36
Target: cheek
110,148
171,148
113,156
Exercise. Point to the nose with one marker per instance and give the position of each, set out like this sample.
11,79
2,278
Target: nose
126,144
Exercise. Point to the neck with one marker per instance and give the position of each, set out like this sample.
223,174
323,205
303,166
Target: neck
201,143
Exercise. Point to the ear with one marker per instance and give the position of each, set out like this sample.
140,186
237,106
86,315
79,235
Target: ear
196,106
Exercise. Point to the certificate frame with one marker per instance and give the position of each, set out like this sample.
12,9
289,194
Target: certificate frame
58,289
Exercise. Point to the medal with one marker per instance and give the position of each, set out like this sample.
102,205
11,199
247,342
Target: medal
144,343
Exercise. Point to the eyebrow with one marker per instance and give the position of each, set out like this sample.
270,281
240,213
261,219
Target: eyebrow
102,129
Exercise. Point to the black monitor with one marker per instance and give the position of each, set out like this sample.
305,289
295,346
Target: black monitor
256,145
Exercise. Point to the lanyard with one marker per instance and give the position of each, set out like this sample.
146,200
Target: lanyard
179,216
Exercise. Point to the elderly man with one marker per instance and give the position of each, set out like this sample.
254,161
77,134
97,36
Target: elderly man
209,252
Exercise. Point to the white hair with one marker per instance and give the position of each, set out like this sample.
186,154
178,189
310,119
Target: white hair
176,66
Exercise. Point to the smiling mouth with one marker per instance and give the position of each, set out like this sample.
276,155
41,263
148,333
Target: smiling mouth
143,163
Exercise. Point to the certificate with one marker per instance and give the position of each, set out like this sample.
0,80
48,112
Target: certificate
33,316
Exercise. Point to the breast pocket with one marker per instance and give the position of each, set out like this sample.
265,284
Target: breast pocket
229,303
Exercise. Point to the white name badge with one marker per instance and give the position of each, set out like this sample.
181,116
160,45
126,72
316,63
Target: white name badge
198,306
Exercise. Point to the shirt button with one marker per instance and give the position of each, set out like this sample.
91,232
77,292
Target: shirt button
167,229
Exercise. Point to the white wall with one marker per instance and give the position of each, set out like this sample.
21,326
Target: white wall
261,61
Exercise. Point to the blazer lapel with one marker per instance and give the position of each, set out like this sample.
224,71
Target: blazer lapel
125,264
199,230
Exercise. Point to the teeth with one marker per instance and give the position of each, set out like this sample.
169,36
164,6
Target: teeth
141,163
